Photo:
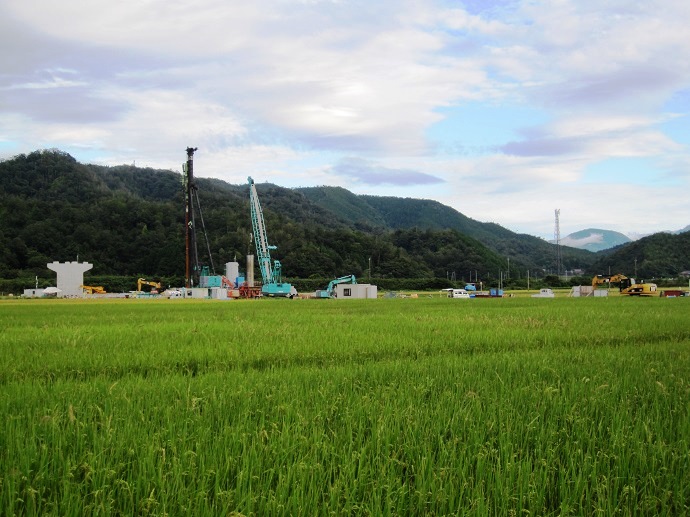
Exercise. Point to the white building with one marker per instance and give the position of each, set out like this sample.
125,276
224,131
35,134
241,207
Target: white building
205,293
33,293
581,291
355,291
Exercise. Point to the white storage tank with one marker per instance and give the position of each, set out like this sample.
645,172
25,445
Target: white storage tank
232,271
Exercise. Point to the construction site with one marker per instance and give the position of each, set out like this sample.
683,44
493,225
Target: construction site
240,280
201,280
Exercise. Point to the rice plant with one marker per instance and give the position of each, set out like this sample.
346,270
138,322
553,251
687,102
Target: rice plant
374,407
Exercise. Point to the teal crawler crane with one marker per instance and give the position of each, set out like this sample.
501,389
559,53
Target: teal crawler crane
271,275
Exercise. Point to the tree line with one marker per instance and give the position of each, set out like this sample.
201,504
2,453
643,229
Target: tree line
129,222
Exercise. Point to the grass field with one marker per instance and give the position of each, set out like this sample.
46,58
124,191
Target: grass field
319,407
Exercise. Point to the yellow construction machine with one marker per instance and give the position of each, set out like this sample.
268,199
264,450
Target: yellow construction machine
93,289
619,280
640,290
154,285
627,286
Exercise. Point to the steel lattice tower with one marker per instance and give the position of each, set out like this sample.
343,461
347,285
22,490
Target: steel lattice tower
557,240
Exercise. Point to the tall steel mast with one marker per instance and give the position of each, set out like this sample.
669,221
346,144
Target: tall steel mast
557,240
190,234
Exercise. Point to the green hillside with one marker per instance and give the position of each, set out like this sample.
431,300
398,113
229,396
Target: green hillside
130,221
349,207
393,213
662,255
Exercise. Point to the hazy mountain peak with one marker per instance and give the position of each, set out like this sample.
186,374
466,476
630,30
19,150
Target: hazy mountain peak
595,239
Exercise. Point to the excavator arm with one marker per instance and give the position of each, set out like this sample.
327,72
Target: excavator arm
618,279
142,281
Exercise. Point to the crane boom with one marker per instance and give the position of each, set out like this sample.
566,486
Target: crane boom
263,249
271,274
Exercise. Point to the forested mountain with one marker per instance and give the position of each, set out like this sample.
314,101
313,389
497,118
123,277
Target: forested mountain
656,256
130,221
394,213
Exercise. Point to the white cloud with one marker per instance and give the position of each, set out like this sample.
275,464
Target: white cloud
288,91
592,238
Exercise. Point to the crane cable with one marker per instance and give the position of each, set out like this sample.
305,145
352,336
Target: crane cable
203,228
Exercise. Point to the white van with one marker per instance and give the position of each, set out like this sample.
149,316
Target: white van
458,293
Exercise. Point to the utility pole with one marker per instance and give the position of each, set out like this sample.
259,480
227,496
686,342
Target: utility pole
190,237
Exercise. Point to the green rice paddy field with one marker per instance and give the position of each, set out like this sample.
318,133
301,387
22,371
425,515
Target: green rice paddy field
422,406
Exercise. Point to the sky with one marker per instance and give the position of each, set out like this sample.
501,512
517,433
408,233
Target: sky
505,110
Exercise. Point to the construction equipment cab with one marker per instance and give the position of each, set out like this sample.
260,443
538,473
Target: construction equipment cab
640,290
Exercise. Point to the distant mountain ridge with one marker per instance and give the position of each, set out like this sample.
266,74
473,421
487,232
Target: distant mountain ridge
662,254
394,213
595,239
129,221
